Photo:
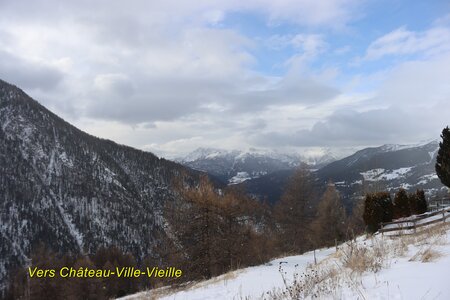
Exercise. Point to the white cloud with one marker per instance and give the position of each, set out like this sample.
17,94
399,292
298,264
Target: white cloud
401,41
173,75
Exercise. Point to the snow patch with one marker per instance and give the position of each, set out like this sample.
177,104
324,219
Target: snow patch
239,178
372,175
382,174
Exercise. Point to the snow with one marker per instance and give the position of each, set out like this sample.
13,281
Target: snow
405,186
382,174
372,175
427,178
252,281
239,177
405,272
394,147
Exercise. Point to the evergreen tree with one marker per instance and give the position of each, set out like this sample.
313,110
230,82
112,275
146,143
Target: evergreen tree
443,158
421,205
377,208
329,225
401,204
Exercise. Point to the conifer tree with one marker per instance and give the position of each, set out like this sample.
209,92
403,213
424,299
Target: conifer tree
401,204
443,158
377,208
421,205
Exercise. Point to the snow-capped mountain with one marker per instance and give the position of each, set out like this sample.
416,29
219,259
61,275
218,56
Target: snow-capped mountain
72,191
387,167
236,166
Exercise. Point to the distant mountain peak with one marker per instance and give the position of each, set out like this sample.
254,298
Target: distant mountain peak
397,147
235,166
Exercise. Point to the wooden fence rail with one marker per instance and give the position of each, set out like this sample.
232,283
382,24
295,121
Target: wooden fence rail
438,204
414,222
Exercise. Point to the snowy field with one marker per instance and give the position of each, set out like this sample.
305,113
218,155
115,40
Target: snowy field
409,267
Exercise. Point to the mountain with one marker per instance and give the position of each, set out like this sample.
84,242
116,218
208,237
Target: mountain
75,192
387,167
236,166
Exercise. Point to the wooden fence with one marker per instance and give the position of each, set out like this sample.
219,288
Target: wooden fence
438,204
411,224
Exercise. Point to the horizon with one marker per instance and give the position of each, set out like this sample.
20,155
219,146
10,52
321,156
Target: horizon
170,77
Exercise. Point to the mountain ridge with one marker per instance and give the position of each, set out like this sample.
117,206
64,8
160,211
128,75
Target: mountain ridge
76,192
387,167
236,166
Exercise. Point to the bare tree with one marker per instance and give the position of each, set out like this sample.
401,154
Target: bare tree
330,223
295,211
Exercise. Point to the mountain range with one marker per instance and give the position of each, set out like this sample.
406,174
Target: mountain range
237,166
264,174
388,167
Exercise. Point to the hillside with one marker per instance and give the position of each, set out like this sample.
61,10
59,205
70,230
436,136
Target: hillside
72,191
408,267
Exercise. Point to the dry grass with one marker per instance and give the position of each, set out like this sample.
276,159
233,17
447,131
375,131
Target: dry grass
430,255
343,269
346,267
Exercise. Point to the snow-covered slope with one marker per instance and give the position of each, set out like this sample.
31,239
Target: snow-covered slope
410,267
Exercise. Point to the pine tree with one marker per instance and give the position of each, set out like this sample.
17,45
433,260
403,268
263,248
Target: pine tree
377,208
443,158
421,205
401,204
329,225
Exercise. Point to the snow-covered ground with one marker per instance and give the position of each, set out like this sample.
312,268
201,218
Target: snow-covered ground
409,267
382,174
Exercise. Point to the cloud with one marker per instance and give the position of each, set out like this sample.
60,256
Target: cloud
418,83
352,128
312,44
175,75
159,60
28,74
329,13
401,41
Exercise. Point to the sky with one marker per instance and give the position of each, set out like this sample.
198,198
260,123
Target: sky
170,76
